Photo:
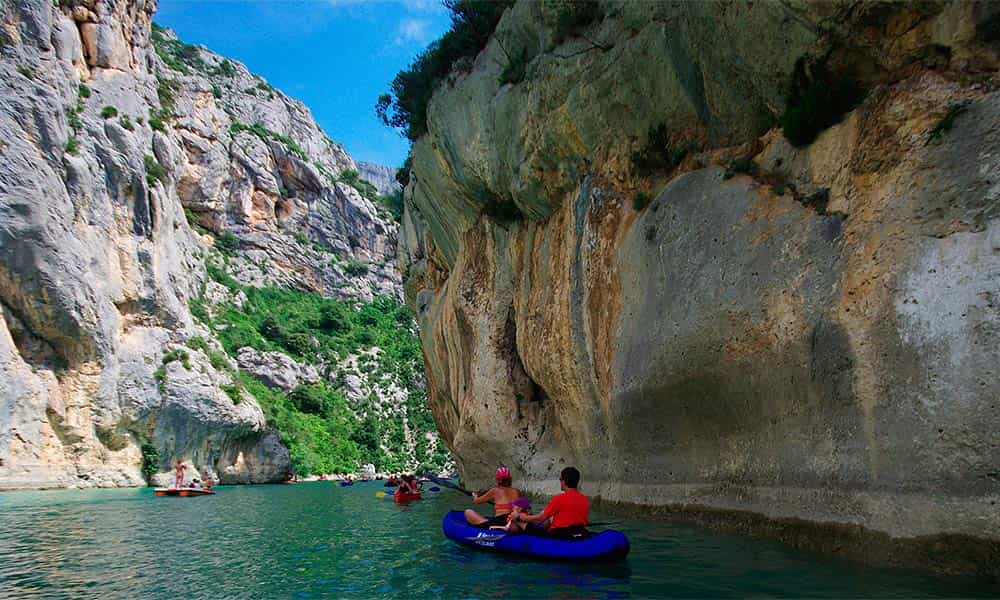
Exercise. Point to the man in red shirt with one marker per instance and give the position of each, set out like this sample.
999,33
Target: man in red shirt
568,510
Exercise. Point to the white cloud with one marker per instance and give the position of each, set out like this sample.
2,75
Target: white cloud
413,31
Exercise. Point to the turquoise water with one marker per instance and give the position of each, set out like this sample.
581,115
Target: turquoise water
315,540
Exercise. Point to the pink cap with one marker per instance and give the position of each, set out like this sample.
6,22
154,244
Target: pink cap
503,473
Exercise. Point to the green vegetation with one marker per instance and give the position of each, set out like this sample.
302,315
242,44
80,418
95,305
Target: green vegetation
166,90
178,354
514,71
391,204
641,200
227,243
472,23
569,17
355,268
324,432
126,122
947,122
176,54
403,173
83,91
150,460
108,112
657,155
154,170
192,220
815,103
216,91
72,145
26,71
263,133
226,68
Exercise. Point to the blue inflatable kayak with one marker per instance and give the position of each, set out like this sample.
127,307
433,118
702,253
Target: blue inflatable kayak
605,546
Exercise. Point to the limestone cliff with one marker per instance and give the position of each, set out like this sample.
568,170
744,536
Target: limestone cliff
126,156
795,332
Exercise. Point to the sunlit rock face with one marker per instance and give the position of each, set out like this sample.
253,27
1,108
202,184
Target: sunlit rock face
796,332
119,168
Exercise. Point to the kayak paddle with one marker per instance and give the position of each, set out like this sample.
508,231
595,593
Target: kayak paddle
447,484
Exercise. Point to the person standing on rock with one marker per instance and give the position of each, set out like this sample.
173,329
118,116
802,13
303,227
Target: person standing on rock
179,474
569,511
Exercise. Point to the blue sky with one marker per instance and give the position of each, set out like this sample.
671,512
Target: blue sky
336,56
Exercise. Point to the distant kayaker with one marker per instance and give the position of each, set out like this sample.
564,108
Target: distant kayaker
408,484
179,474
503,495
568,511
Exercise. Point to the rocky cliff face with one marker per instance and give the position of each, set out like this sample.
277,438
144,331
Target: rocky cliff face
746,327
382,177
126,155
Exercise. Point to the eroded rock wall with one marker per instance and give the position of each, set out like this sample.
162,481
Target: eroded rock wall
810,335
121,168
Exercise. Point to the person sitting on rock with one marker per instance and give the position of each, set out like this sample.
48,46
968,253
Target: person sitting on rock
568,512
502,495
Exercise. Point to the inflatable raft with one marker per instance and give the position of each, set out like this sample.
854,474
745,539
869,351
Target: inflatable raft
185,492
606,546
399,496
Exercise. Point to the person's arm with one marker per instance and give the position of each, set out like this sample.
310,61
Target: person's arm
543,516
484,498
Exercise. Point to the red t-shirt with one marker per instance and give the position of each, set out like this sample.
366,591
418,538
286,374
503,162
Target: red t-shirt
568,509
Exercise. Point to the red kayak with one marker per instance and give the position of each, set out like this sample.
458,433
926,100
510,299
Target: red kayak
399,496
183,492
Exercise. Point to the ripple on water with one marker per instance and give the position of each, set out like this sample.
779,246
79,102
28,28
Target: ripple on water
319,540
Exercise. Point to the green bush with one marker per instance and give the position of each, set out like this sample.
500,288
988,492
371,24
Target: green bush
641,200
514,71
26,71
815,103
154,170
126,122
656,154
83,91
227,243
355,268
234,392
176,54
403,173
572,16
156,123
263,133
150,460
178,354
108,112
216,91
217,358
472,23
226,68
72,145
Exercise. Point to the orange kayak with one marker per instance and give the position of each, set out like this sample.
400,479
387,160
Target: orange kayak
401,497
183,492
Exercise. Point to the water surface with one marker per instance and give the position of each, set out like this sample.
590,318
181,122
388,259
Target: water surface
314,540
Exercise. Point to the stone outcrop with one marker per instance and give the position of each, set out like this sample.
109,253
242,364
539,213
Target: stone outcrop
122,165
802,334
382,177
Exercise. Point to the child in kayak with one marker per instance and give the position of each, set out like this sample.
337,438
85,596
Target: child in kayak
568,511
502,495
409,485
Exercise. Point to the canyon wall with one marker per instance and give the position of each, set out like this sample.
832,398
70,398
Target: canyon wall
794,334
127,157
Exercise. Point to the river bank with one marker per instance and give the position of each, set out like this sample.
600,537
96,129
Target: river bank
321,540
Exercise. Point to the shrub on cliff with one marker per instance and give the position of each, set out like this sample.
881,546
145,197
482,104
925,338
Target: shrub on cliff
150,460
571,16
815,102
657,154
472,23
